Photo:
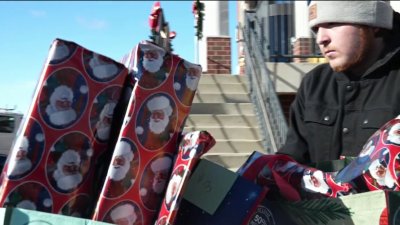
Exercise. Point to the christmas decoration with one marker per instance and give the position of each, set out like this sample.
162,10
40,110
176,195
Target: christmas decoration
198,11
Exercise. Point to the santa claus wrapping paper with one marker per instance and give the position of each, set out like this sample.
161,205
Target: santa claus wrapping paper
192,147
51,165
143,158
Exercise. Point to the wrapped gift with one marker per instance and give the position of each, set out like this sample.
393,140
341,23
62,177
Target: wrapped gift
216,195
377,165
358,209
51,167
143,156
192,146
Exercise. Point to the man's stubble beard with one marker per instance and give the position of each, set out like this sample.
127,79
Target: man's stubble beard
361,54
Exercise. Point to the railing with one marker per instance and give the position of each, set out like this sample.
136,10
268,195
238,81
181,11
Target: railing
269,110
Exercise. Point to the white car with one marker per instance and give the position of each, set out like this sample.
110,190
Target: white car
9,125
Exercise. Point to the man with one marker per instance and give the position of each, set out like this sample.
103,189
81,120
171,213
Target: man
124,215
339,105
67,175
159,132
59,110
20,163
153,195
104,124
120,166
102,69
153,58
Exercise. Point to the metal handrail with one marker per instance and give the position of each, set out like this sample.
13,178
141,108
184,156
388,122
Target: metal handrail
269,110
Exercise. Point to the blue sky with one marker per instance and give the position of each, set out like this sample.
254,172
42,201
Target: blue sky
109,28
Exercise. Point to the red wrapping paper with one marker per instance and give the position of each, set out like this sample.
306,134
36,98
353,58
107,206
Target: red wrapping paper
375,168
192,147
142,160
51,165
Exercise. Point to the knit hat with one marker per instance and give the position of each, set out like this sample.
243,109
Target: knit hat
371,13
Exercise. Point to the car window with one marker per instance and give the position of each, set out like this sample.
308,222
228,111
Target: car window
7,124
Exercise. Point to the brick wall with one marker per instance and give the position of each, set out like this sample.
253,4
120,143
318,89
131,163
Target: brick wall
218,55
302,46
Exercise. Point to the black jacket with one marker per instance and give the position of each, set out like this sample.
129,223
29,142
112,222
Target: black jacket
334,116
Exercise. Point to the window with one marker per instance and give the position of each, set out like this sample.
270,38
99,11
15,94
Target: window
7,124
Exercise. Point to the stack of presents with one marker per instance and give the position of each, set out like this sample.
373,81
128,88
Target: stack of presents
103,143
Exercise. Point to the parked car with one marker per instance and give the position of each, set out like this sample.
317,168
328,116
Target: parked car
9,125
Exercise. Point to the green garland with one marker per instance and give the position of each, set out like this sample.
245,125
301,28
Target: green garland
198,11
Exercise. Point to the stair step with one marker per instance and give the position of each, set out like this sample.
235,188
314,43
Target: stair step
237,147
202,120
230,133
222,78
224,88
229,161
222,108
221,98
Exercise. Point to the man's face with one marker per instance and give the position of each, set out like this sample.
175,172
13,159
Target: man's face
345,46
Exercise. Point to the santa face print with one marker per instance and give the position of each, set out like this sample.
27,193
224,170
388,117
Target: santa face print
123,169
27,151
78,206
102,113
61,51
68,162
174,186
156,121
154,181
63,98
379,171
100,68
124,213
30,195
314,181
186,80
153,67
394,134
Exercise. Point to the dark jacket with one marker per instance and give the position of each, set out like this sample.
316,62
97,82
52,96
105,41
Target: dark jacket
334,116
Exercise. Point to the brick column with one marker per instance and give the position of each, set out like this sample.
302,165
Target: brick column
302,46
218,55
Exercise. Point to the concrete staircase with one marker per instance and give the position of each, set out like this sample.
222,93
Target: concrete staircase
222,106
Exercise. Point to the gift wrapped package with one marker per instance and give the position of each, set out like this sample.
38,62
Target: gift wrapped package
51,167
143,156
192,146
216,195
